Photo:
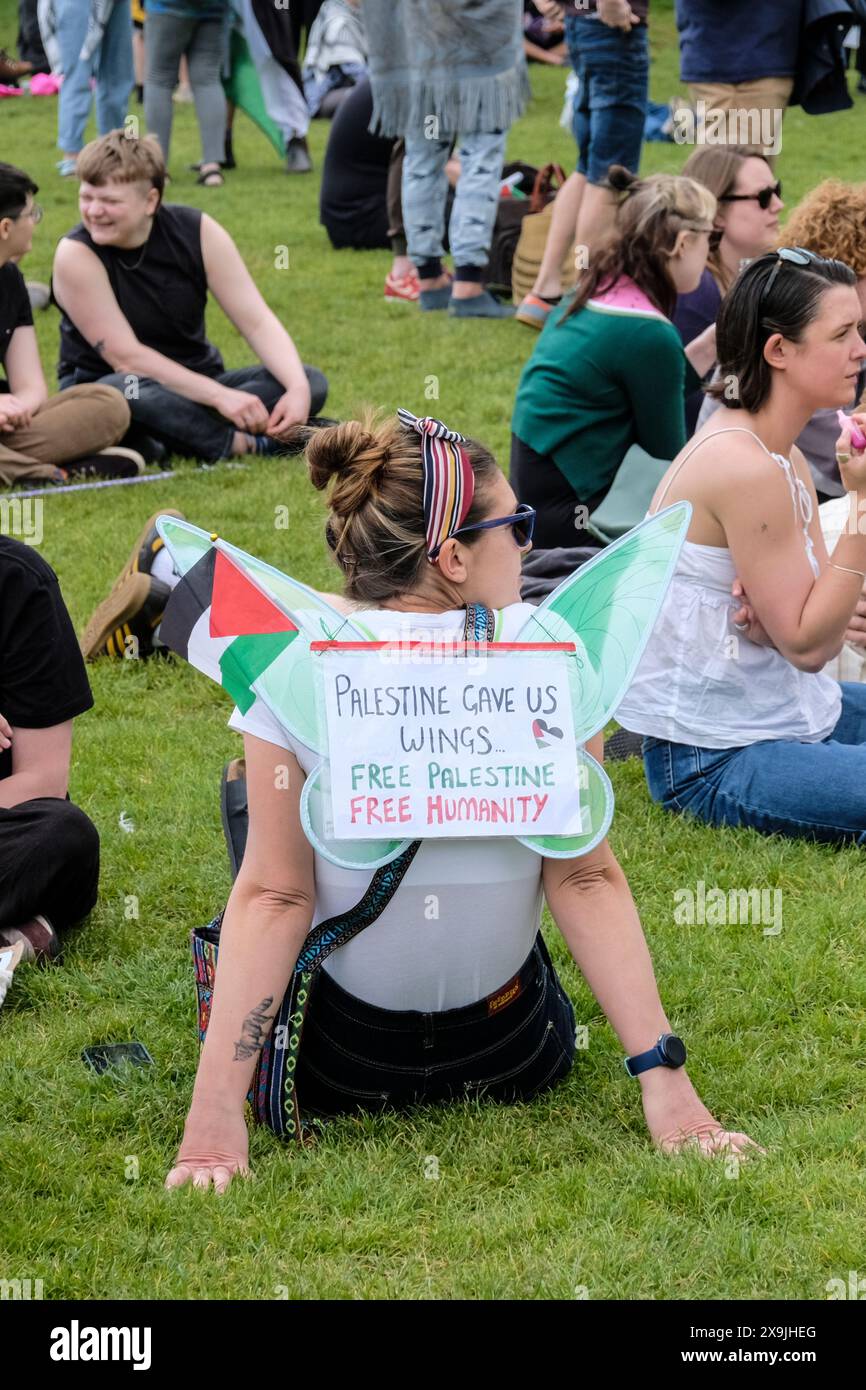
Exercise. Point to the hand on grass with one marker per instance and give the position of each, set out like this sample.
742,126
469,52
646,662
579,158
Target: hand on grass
678,1119
215,1148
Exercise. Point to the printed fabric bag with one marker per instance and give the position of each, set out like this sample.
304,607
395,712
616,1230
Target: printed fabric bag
272,1096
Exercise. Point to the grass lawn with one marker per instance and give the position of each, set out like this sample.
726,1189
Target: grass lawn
562,1198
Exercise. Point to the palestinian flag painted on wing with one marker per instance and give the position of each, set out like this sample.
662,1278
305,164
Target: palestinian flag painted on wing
222,622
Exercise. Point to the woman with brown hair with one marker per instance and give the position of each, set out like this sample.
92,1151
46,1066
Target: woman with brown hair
746,224
423,1005
609,370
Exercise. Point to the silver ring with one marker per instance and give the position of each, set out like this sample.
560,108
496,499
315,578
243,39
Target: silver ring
741,627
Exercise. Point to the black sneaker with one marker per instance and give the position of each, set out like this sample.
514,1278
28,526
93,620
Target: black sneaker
115,462
124,623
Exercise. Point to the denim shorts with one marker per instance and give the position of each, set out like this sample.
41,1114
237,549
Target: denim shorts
511,1046
610,108
812,791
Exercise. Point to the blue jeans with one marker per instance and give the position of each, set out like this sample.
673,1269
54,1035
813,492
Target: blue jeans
813,791
187,428
425,189
509,1047
610,110
111,65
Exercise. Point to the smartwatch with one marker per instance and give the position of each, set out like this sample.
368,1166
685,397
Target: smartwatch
669,1051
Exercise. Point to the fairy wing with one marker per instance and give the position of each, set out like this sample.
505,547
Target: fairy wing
248,626
608,609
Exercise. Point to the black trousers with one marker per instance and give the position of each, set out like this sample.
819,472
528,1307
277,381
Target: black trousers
49,862
537,481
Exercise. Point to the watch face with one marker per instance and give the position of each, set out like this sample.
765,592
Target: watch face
674,1049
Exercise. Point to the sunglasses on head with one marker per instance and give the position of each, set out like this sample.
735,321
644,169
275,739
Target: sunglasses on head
763,197
790,255
522,523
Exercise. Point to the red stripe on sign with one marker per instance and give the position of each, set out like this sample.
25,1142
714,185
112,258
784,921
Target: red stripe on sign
238,607
446,646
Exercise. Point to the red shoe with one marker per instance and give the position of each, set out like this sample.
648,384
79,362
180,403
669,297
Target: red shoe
406,289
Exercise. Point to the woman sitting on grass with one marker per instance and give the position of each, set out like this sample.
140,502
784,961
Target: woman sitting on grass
742,726
609,369
414,1009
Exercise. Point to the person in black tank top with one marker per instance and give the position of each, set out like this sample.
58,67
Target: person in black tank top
132,281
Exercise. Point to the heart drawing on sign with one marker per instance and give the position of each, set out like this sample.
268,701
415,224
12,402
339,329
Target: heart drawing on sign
543,733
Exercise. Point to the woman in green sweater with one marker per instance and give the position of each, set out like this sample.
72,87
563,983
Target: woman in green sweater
609,369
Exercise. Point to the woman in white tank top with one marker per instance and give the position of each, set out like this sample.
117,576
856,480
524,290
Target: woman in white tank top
741,725
421,1006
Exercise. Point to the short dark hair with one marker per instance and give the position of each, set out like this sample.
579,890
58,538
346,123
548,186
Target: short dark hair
15,188
749,316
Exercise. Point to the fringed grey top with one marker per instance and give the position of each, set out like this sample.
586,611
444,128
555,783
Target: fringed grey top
445,67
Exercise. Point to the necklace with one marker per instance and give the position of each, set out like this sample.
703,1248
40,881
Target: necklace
125,265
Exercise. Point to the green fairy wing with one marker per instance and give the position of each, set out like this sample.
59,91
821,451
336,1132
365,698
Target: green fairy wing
608,609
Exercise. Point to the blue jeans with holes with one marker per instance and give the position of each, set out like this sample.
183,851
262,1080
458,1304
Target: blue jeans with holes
111,65
511,1046
610,108
813,791
425,188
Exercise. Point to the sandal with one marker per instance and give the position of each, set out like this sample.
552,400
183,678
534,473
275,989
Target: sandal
210,176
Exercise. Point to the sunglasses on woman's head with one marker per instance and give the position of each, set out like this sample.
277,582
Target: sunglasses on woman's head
763,197
522,523
789,255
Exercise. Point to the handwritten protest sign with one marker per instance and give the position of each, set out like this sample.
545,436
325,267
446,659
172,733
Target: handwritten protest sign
434,745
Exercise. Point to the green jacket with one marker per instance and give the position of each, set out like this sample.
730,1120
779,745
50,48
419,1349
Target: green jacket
598,382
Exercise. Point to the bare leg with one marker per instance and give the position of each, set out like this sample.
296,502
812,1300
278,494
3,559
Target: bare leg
563,224
596,216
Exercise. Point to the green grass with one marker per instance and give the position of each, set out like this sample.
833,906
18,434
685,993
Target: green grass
537,1201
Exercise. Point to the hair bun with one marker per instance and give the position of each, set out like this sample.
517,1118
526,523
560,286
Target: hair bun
622,180
350,458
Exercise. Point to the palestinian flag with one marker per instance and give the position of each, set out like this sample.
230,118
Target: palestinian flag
224,624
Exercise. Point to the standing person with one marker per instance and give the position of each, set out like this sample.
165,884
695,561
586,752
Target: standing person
41,437
86,41
269,35
609,369
114,274
737,56
442,71
749,199
192,29
49,849
609,50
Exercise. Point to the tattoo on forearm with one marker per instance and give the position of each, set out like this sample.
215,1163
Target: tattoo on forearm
253,1030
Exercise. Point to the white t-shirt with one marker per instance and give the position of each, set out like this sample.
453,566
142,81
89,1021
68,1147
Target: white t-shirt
467,912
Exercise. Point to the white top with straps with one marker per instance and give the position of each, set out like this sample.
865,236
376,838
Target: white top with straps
465,916
701,682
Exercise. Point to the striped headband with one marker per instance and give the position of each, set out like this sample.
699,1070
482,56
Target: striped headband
449,483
